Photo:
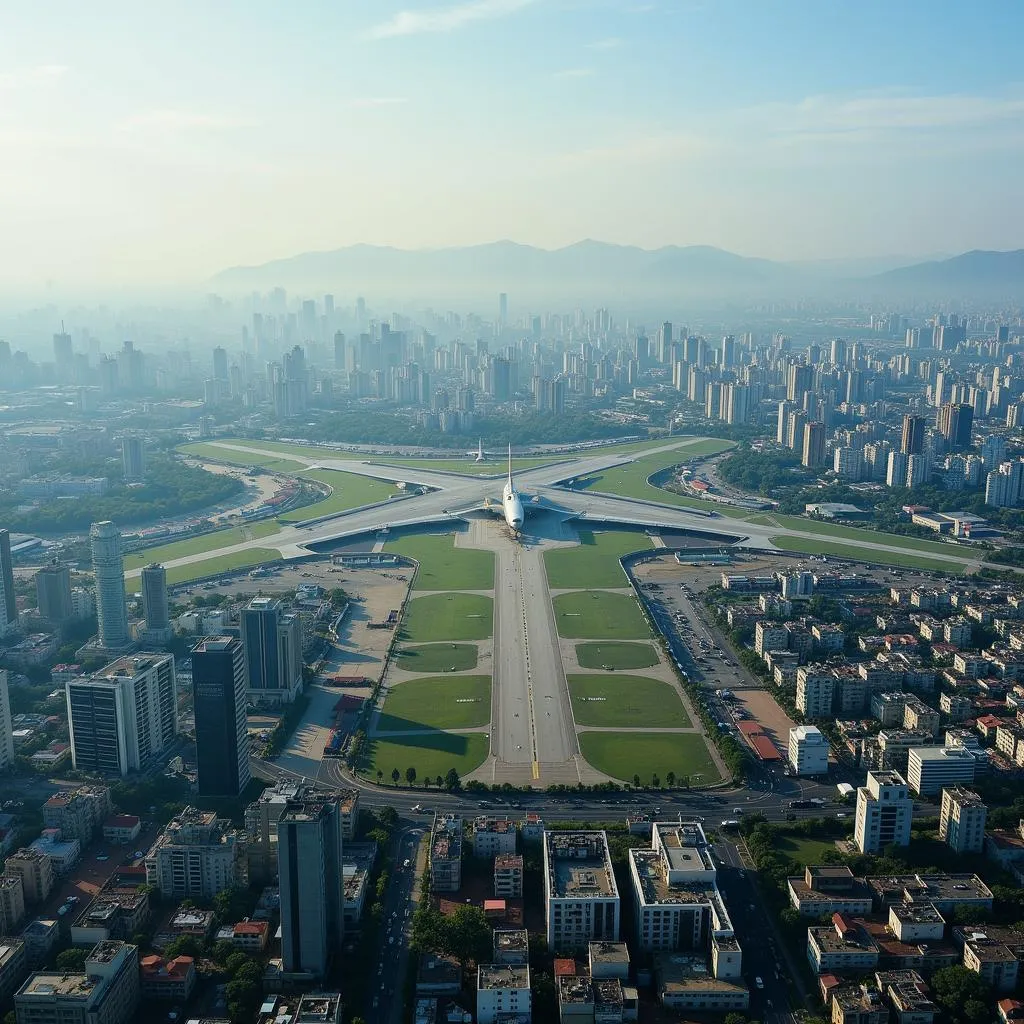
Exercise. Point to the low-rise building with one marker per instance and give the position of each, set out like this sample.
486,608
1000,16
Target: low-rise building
808,751
508,876
167,980
931,769
40,937
36,872
581,898
511,946
609,960
122,829
907,995
992,952
250,936
916,922
446,853
827,889
503,993
844,947
63,854
14,966
115,912
944,891
438,976
493,836
857,1004
685,983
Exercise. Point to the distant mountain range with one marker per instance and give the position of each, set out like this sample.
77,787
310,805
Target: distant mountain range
591,270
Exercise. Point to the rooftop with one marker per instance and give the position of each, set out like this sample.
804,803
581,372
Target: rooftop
654,884
579,865
503,976
963,796
317,1006
47,984
853,940
929,888
609,952
680,973
916,913
511,939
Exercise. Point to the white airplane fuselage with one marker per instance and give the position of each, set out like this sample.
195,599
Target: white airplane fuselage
512,507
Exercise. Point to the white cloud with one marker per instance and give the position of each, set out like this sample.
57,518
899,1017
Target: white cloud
605,44
573,73
181,120
369,102
444,19
37,75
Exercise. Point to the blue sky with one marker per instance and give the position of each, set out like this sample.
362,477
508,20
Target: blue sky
144,145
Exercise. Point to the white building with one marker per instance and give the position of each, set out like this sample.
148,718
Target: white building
885,810
108,568
503,992
815,686
124,715
930,769
581,898
962,820
197,855
6,729
808,750
493,836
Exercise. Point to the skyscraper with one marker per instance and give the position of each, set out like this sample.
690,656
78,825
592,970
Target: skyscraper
108,567
53,593
955,422
6,728
309,841
220,364
8,604
502,309
122,716
154,603
218,688
912,442
133,458
814,445
272,643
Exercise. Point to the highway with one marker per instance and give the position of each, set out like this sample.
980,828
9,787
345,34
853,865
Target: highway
453,496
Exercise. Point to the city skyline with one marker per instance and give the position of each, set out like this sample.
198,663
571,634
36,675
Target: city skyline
784,133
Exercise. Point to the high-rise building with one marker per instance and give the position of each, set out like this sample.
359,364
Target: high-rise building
885,810
124,715
219,699
154,604
917,470
133,458
6,727
53,593
272,642
848,463
912,441
502,309
814,445
339,351
220,364
309,843
108,567
197,855
8,604
955,422
896,471
736,403
799,380
962,820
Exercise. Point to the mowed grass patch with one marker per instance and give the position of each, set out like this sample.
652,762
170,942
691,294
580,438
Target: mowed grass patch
625,754
430,754
212,566
493,467
305,451
443,566
348,490
233,457
803,849
448,617
627,701
611,656
908,559
197,545
599,615
594,563
437,658
438,702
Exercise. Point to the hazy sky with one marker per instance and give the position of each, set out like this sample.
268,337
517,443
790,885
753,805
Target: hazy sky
144,142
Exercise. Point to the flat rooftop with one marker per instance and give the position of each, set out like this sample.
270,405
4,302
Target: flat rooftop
916,913
608,952
503,976
47,984
317,1006
929,888
828,940
680,973
656,890
579,866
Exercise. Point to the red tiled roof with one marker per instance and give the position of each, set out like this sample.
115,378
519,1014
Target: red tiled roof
565,968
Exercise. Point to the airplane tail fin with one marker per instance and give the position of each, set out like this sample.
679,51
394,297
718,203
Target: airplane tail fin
510,462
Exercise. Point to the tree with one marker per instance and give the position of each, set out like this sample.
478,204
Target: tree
439,781
426,781
636,781
387,816
410,775
222,951
451,780
655,781
670,780
72,961
468,935
734,1018
395,775
380,776
962,994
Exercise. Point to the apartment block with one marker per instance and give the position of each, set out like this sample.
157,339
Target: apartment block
844,947
493,836
508,876
808,751
36,872
884,812
14,966
503,993
857,1004
581,898
12,903
930,769
197,855
918,716
814,691
79,813
446,853
962,820
992,952
826,889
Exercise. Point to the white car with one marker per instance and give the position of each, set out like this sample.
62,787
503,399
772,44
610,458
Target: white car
758,982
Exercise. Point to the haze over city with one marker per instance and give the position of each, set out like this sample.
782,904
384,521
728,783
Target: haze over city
152,149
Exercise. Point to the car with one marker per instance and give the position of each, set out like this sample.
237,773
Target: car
138,853
102,856
406,862
759,982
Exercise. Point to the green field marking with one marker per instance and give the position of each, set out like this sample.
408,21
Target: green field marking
197,545
448,617
632,702
909,560
431,755
438,702
349,491
237,458
625,754
802,849
611,656
212,566
443,566
437,658
599,615
594,563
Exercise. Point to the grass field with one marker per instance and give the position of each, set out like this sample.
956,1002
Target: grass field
196,545
236,458
616,656
431,755
305,451
908,560
468,467
443,566
803,850
633,702
598,615
625,754
439,702
448,617
595,562
349,491
212,566
437,658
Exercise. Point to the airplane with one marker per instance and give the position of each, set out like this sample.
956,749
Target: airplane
479,455
511,503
